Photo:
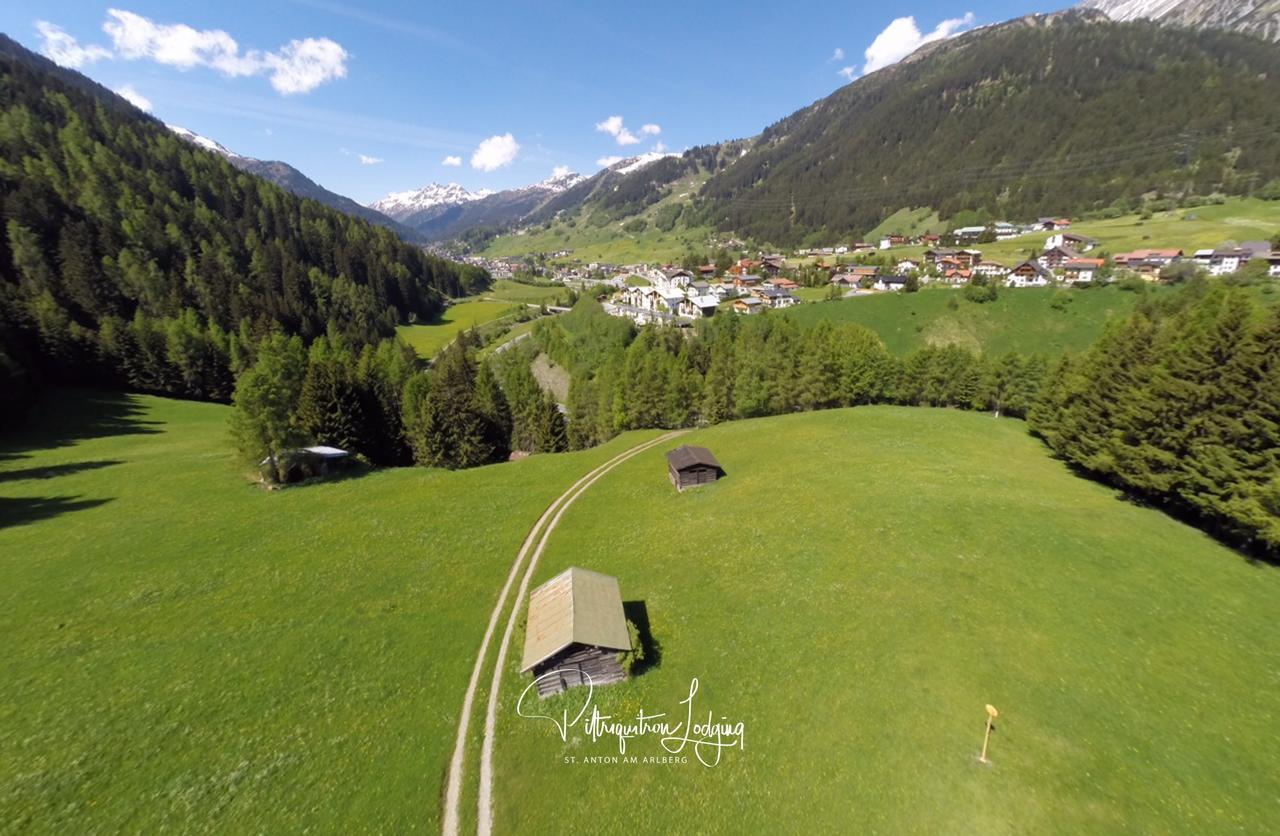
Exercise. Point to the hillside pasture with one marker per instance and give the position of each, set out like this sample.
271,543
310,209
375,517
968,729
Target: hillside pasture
855,591
428,338
185,651
1048,321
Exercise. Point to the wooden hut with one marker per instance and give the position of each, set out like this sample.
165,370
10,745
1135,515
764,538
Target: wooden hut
691,466
576,629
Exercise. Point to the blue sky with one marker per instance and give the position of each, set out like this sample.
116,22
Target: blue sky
510,91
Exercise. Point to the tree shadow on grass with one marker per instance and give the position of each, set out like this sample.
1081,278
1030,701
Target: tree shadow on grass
16,511
54,470
638,614
65,416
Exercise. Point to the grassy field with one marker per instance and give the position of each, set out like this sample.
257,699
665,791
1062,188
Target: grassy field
612,243
186,652
1024,320
855,591
1238,220
505,290
911,222
427,339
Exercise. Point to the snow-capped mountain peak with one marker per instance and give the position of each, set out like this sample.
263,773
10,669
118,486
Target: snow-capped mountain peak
631,164
560,182
204,142
402,204
1256,17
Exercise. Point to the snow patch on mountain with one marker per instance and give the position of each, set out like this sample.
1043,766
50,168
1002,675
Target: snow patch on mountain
1255,17
631,164
402,204
206,143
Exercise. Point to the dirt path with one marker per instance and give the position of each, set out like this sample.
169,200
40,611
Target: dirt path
539,534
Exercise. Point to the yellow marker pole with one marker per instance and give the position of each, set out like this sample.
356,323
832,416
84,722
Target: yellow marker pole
991,715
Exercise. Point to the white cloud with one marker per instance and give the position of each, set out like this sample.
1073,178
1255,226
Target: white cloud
605,162
613,127
365,159
451,161
560,171
837,55
134,98
303,65
650,129
63,49
659,147
903,37
849,73
298,67
495,152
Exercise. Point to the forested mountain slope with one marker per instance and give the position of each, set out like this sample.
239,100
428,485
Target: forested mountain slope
1048,114
130,254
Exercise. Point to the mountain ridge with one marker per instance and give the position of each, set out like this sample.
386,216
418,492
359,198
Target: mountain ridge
1254,17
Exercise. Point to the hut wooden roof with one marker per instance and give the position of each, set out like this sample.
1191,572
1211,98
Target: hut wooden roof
688,456
576,606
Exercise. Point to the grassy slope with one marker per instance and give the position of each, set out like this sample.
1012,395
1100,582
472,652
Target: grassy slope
1243,219
430,338
611,244
509,291
856,590
907,222
183,650
1022,320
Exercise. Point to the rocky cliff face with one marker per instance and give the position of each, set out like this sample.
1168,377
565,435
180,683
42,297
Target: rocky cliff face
1255,17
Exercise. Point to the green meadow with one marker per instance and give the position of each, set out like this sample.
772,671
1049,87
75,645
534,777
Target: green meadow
1028,320
1190,229
428,338
856,590
185,651
507,290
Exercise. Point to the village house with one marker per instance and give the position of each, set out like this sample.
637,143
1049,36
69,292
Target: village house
782,284
1071,241
1157,258
1051,224
957,277
771,265
1273,265
907,265
1226,262
968,234
677,278
724,290
773,297
991,269
745,282
1082,270
697,306
968,258
1054,257
930,239
747,305
1029,274
1005,231
935,254
890,282
576,629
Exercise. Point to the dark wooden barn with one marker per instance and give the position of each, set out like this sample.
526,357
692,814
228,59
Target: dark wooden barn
691,466
576,630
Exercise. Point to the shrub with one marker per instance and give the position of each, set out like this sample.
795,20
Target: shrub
631,659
